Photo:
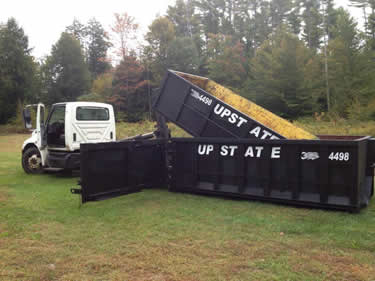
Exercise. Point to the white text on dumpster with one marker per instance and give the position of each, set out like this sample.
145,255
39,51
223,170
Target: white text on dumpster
231,150
238,121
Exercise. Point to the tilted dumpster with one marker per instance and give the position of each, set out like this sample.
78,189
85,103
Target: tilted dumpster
206,109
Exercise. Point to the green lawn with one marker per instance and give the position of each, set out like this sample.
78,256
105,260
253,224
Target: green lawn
158,235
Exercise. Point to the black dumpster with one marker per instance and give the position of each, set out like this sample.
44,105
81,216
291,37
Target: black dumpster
329,173
332,173
117,168
233,155
202,114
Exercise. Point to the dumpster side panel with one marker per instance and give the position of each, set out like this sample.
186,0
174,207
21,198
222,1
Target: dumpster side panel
326,174
113,169
169,101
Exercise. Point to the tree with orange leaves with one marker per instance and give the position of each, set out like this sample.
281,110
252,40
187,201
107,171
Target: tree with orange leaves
130,90
124,29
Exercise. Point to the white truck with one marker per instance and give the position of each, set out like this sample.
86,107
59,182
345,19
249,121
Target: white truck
55,142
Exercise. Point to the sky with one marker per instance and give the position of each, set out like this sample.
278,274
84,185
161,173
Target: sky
44,20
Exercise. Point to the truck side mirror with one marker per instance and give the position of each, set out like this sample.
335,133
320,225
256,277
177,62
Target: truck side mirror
27,118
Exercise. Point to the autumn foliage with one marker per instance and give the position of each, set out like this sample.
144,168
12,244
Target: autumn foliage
296,58
130,90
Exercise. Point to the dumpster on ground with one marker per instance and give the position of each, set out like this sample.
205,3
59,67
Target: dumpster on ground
332,173
328,173
240,150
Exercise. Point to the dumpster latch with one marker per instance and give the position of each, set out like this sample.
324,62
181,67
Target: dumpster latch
76,191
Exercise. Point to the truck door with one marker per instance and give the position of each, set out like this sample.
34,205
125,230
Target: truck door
41,126
56,127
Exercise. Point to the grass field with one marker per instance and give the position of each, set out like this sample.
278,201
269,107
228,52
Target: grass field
158,235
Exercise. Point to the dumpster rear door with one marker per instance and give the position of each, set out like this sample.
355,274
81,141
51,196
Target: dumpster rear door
117,168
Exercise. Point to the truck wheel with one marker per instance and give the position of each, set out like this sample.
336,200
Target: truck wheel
31,161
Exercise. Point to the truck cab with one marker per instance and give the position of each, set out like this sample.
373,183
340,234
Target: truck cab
55,141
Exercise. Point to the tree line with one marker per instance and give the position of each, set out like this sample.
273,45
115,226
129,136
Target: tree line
295,57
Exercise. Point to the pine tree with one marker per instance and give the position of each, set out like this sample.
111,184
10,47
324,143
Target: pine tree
98,45
278,80
344,54
66,75
18,71
330,14
183,16
183,55
312,18
294,19
95,43
279,12
79,31
161,34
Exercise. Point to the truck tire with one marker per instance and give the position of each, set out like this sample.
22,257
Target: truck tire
31,161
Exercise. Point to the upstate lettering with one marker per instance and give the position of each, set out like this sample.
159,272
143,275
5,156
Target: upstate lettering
231,150
238,121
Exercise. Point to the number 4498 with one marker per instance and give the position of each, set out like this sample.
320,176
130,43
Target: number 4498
339,156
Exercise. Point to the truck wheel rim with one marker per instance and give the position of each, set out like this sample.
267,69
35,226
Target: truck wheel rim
34,162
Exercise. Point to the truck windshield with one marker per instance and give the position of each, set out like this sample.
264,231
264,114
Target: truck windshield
89,113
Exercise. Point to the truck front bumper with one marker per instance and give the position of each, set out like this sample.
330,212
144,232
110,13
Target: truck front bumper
64,160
